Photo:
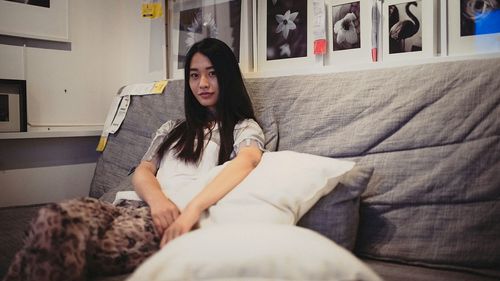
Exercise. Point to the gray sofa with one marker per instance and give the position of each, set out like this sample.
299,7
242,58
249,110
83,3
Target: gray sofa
430,132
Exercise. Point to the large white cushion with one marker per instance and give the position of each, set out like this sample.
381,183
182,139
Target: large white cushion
281,189
253,252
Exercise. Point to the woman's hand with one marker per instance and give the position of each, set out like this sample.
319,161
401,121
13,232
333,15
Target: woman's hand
164,213
183,224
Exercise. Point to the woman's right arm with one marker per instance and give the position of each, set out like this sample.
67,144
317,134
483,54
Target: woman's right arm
163,211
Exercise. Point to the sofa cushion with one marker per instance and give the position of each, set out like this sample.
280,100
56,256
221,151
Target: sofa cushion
280,190
336,215
394,271
431,206
255,252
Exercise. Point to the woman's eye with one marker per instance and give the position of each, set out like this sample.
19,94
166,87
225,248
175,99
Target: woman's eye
212,74
193,75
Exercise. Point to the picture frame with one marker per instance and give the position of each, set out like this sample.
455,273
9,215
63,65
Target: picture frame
193,20
343,53
13,106
473,30
287,46
409,31
37,22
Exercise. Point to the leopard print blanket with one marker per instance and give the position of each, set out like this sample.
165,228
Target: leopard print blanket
83,238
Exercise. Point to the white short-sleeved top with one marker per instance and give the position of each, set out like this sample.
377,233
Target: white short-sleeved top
181,181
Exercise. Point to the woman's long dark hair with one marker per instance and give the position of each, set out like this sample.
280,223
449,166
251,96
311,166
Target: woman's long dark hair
233,105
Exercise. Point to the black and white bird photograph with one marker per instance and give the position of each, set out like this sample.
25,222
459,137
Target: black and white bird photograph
405,27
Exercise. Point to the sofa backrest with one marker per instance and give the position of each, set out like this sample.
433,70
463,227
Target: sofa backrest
431,132
125,148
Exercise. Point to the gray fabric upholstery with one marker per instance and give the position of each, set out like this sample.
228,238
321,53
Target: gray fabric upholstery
15,222
431,133
125,148
336,215
391,271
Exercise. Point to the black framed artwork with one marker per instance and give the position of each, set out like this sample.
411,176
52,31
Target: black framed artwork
479,17
216,20
286,29
13,106
39,3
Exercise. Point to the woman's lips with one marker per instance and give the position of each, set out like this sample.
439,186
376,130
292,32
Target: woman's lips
205,95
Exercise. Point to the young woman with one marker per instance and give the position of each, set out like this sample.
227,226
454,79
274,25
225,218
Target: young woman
85,237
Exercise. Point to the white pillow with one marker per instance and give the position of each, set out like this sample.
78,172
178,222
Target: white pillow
281,189
253,252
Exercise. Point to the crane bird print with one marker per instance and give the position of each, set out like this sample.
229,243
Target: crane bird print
405,27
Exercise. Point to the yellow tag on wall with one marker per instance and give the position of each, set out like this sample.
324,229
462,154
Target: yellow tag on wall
158,11
151,10
159,86
102,144
147,10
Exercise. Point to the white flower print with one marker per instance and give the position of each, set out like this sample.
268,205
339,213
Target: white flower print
285,50
346,29
286,23
208,28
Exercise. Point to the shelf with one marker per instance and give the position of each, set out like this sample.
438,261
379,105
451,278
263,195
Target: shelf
54,132
364,66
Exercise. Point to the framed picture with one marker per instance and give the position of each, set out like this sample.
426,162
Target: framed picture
409,29
348,32
285,36
473,26
41,19
193,20
13,106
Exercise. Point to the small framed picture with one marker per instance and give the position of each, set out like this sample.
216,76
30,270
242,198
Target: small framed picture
285,38
409,29
13,106
473,26
43,19
193,20
348,32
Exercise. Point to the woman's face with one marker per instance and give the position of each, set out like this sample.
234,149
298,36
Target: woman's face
203,81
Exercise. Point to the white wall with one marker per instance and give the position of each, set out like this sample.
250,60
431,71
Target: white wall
111,46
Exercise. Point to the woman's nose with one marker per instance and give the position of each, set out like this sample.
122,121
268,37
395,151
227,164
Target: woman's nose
204,81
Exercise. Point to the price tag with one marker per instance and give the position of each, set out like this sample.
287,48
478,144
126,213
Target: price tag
319,33
151,10
119,107
147,10
159,86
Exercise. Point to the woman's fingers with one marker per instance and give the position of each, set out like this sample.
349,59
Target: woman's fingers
171,233
162,222
167,236
164,216
158,225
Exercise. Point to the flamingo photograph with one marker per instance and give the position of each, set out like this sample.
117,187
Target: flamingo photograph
405,31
